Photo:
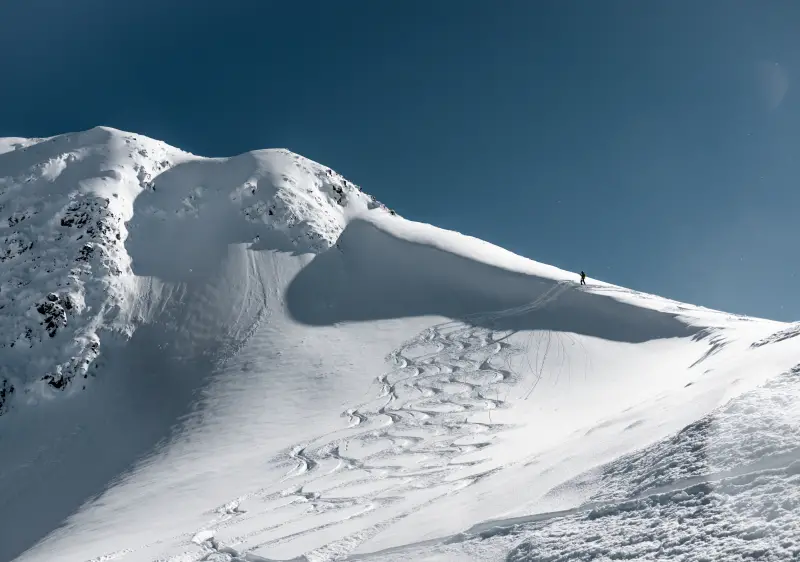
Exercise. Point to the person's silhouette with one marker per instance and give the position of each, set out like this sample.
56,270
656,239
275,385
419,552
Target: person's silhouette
583,278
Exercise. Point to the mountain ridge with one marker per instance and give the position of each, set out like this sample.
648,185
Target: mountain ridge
74,194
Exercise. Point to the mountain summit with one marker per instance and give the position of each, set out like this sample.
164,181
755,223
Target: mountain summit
250,359
69,205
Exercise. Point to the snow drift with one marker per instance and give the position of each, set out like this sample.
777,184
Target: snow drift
251,359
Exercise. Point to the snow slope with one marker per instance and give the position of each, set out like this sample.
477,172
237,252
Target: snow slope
250,359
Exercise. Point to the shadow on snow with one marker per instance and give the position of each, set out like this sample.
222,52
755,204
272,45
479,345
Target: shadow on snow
373,275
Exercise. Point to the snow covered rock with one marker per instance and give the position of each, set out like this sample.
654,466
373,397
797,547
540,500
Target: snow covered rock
65,204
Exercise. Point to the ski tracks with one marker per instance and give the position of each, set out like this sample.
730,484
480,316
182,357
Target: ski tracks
418,439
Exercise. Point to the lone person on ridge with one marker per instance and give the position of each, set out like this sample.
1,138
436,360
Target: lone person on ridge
583,278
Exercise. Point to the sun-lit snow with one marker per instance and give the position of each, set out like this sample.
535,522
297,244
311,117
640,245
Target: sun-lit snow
251,359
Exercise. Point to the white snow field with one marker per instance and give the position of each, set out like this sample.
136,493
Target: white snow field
249,359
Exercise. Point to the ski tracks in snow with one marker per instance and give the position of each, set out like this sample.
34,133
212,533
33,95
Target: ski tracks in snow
404,449
419,439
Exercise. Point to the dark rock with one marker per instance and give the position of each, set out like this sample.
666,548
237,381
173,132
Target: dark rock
6,390
56,381
55,315
86,252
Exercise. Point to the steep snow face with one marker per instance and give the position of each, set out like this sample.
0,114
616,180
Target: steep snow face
249,359
69,269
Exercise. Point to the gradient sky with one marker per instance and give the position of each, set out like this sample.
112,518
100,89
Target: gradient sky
653,144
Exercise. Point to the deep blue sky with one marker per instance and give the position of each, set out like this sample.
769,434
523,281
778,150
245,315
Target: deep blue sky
652,143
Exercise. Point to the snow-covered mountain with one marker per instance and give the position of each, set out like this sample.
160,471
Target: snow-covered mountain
70,268
251,359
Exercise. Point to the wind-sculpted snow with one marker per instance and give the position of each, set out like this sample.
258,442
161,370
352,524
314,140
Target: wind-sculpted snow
372,274
787,333
725,488
266,199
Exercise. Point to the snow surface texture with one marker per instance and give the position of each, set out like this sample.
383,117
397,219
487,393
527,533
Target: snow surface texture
250,359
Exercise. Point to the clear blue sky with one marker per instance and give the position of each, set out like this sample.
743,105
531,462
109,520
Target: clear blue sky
653,144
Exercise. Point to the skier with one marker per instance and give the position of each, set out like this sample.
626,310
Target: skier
583,278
